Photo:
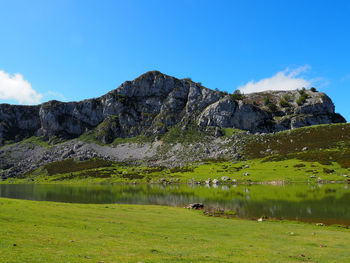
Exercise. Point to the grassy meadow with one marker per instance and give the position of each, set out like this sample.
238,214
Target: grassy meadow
57,232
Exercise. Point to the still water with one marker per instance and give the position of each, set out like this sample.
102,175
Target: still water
328,203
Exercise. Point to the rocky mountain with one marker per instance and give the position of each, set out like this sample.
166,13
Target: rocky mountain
154,102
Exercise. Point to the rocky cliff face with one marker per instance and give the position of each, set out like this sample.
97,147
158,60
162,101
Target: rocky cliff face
155,102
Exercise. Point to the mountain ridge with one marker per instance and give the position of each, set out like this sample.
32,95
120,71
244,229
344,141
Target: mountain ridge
154,102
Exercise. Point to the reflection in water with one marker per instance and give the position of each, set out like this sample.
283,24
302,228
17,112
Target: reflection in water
314,203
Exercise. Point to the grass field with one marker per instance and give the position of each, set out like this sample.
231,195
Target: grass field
259,170
57,232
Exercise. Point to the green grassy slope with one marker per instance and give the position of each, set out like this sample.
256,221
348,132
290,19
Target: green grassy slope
259,170
325,144
57,232
315,153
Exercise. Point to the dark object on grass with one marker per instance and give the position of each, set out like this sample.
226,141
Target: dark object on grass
195,206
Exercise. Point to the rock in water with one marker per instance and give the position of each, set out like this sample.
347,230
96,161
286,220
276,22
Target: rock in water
225,178
216,181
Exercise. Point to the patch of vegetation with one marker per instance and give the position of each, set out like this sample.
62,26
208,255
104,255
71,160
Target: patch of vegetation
229,132
313,89
266,101
237,95
284,103
286,97
178,135
132,176
188,79
51,104
105,131
302,98
69,166
89,137
225,93
101,173
123,99
327,145
328,171
182,169
293,141
302,91
34,140
270,105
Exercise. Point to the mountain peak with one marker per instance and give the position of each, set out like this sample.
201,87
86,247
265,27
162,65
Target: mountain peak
151,75
155,102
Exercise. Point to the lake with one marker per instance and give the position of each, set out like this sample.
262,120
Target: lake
327,203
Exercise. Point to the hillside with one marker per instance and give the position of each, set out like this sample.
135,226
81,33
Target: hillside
160,121
316,153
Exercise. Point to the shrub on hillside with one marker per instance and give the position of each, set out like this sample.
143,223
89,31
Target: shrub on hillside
302,99
270,105
286,97
266,101
237,95
284,103
302,91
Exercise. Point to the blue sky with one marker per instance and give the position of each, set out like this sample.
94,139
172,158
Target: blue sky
73,50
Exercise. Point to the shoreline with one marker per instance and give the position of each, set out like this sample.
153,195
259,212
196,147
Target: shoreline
85,182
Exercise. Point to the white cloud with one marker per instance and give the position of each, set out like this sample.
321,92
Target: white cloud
289,79
16,88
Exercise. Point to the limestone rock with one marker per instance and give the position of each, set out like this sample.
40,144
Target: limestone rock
154,103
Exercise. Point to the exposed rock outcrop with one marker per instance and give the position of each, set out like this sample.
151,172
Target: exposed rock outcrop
155,102
229,113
